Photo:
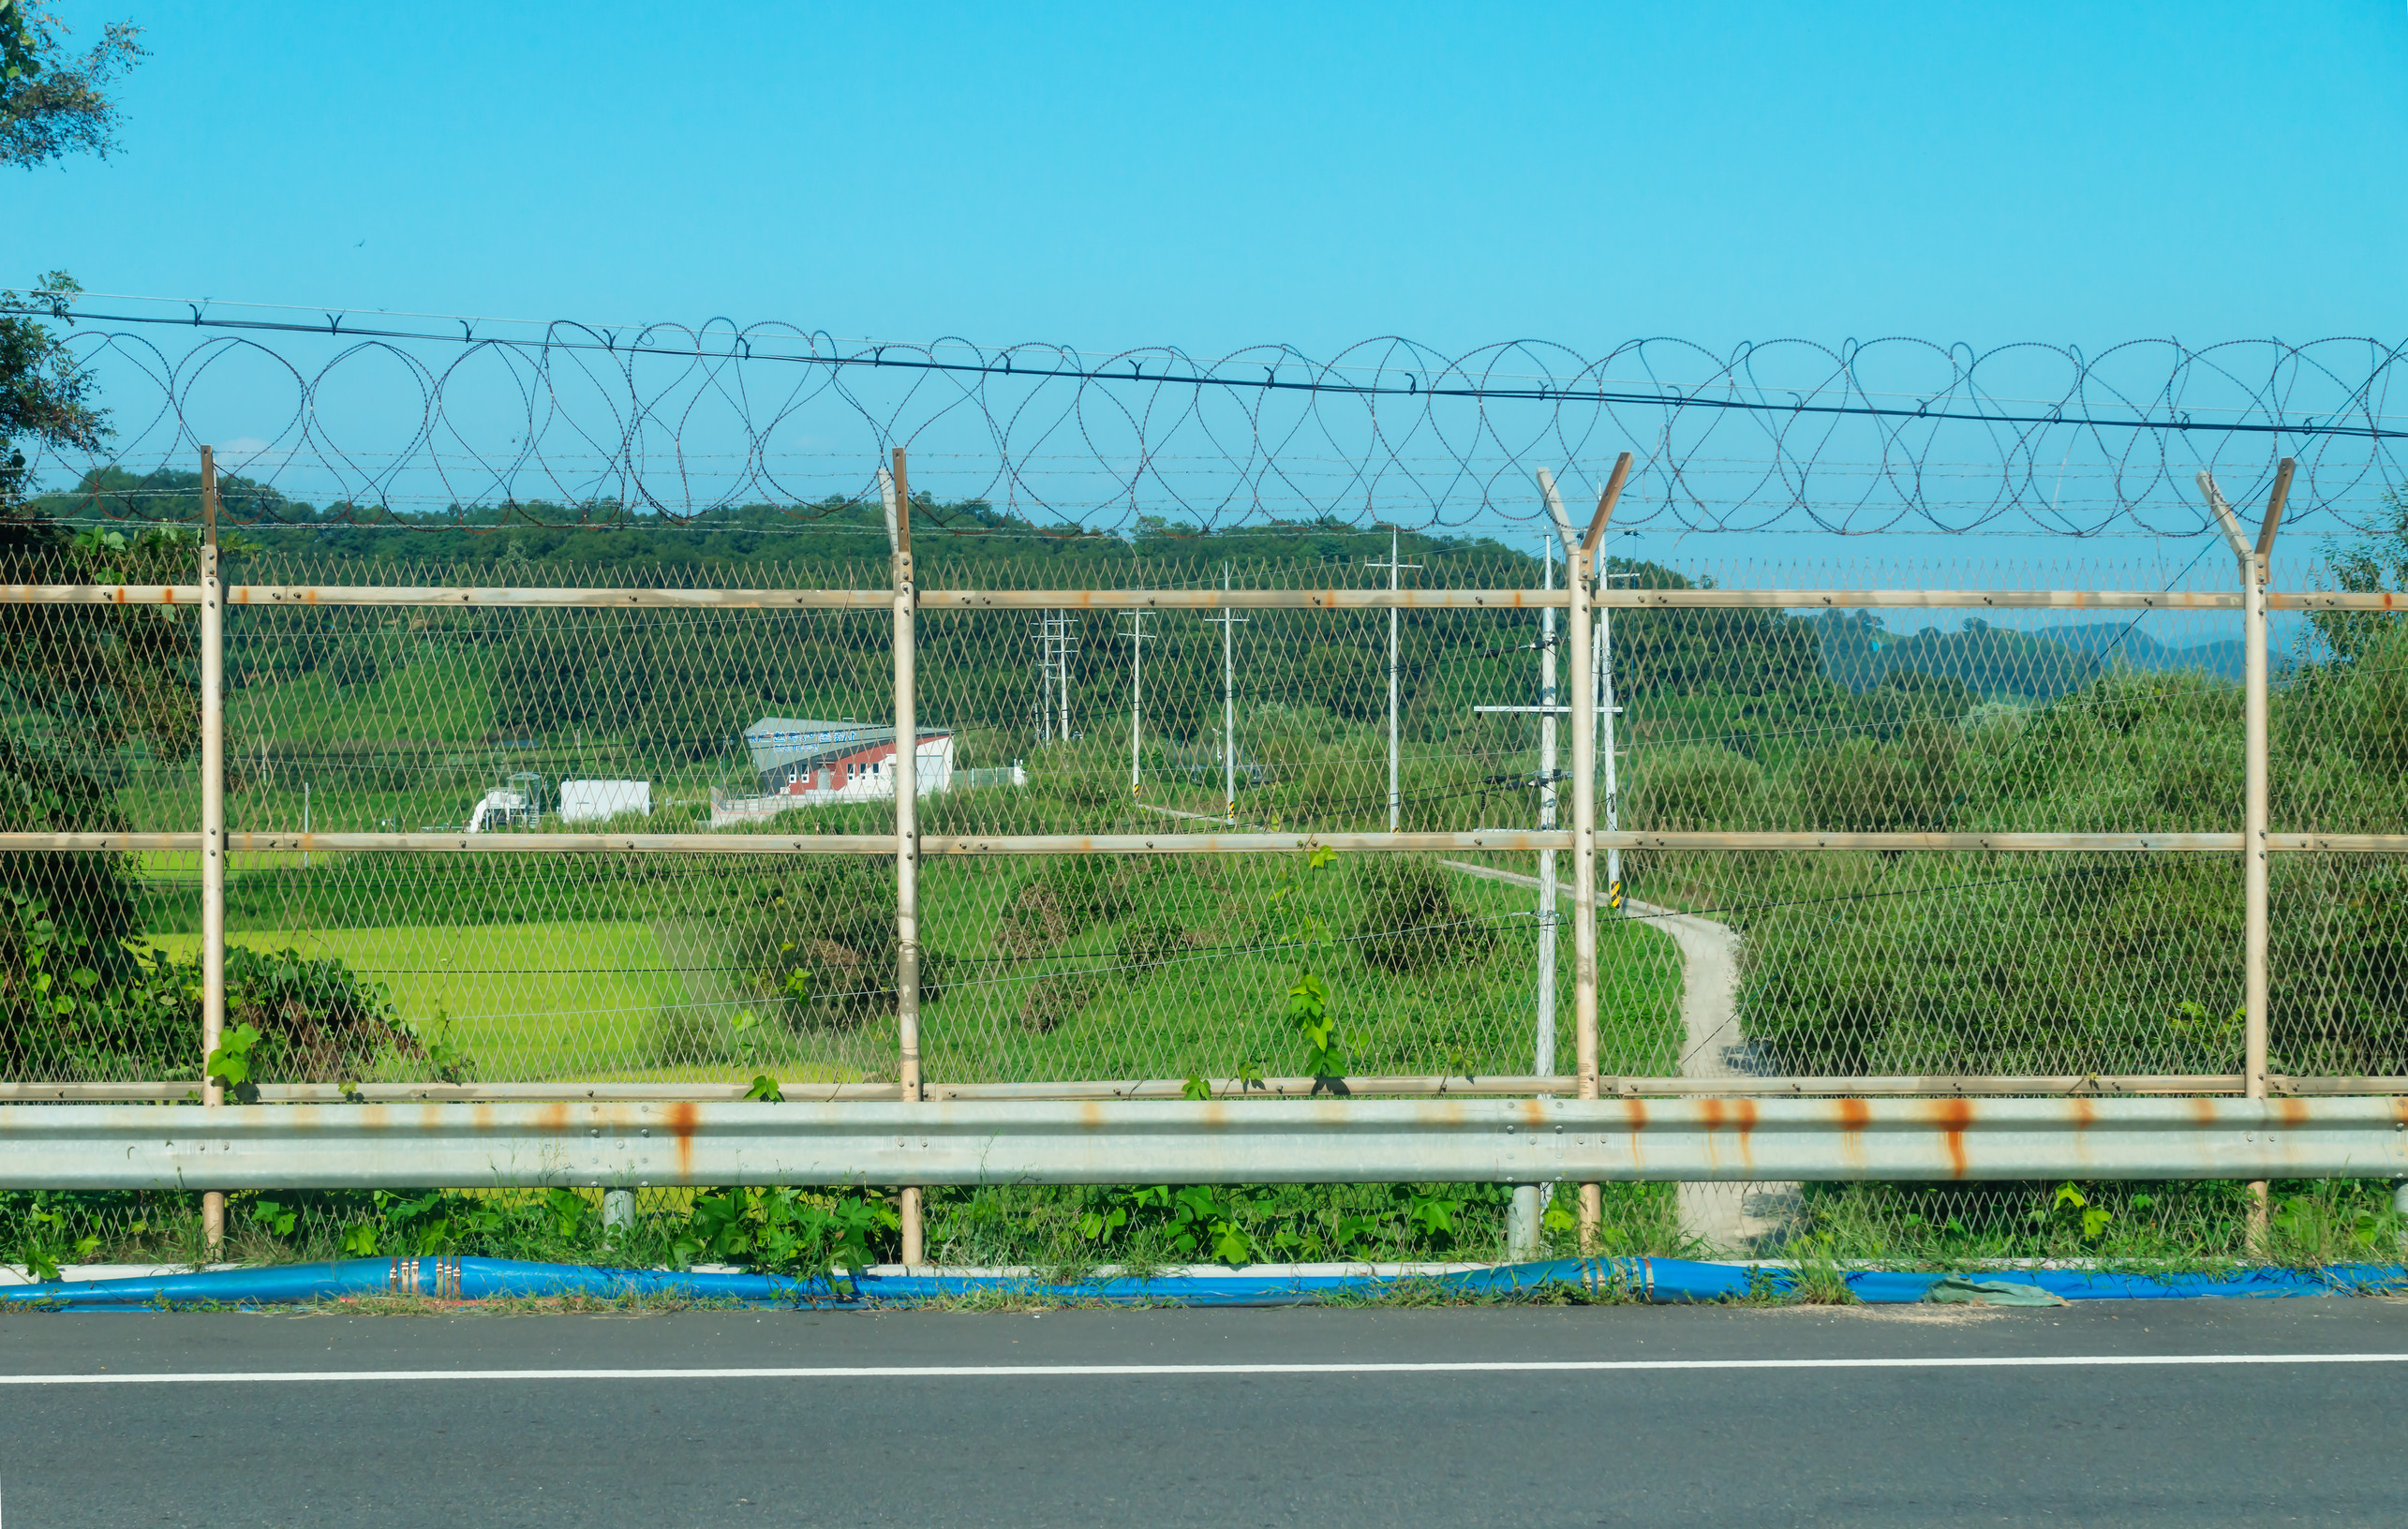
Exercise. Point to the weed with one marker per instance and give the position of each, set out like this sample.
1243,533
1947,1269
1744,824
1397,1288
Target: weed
42,1237
1308,999
787,1231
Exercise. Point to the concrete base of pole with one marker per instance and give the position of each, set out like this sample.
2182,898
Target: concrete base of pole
1521,1224
618,1209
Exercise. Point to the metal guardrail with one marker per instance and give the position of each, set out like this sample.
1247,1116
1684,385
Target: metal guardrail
122,1147
1901,1086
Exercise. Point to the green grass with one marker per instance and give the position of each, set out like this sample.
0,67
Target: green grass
436,697
1191,978
528,1001
1211,969
1210,1009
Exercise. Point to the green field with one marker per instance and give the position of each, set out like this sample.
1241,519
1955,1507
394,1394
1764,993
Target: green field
1186,978
528,1001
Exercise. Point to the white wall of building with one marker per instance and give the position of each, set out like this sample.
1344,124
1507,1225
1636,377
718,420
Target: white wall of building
591,801
934,758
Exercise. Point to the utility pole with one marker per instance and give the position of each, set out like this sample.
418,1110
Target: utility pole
1606,712
213,823
1227,621
1530,1200
1137,636
1054,649
1546,1048
1045,677
1395,794
1062,649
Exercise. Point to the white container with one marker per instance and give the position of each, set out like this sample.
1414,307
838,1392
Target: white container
592,801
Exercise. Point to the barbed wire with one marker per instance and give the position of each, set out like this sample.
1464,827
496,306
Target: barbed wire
578,425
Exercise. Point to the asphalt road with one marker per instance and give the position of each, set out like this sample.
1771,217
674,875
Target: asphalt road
1938,1417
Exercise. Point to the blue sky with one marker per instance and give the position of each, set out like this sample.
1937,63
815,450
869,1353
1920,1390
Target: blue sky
1112,177
1214,177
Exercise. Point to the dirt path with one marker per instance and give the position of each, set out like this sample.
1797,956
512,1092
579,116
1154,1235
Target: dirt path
1731,1218
1726,1217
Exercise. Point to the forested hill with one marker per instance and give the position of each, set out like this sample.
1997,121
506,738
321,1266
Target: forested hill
947,539
1776,657
2002,664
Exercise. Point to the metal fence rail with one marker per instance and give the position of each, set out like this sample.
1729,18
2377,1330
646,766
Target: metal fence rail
986,963
1551,1141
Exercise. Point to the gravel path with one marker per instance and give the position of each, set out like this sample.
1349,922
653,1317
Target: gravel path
1729,1218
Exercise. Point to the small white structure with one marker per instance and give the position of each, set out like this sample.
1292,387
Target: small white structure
496,809
592,801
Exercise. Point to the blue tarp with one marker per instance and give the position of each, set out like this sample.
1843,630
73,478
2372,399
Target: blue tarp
1672,1280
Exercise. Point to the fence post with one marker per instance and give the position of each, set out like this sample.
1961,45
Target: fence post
213,823
2256,560
1577,580
907,831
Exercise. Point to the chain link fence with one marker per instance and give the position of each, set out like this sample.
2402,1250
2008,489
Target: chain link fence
1254,824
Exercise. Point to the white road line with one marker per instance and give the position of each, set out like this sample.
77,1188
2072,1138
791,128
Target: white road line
973,1371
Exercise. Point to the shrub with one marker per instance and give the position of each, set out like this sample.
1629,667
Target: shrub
1052,1002
1147,944
1069,897
318,1022
75,1007
819,941
1411,921
2371,717
1688,790
1861,786
70,1009
683,1036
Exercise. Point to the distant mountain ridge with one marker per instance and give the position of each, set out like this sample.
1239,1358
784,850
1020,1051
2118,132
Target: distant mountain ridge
2012,664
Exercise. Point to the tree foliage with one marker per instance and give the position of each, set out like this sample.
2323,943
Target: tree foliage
54,102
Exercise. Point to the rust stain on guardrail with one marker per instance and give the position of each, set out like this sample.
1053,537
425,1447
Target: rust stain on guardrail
1735,1115
682,1127
1853,1115
1953,1116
